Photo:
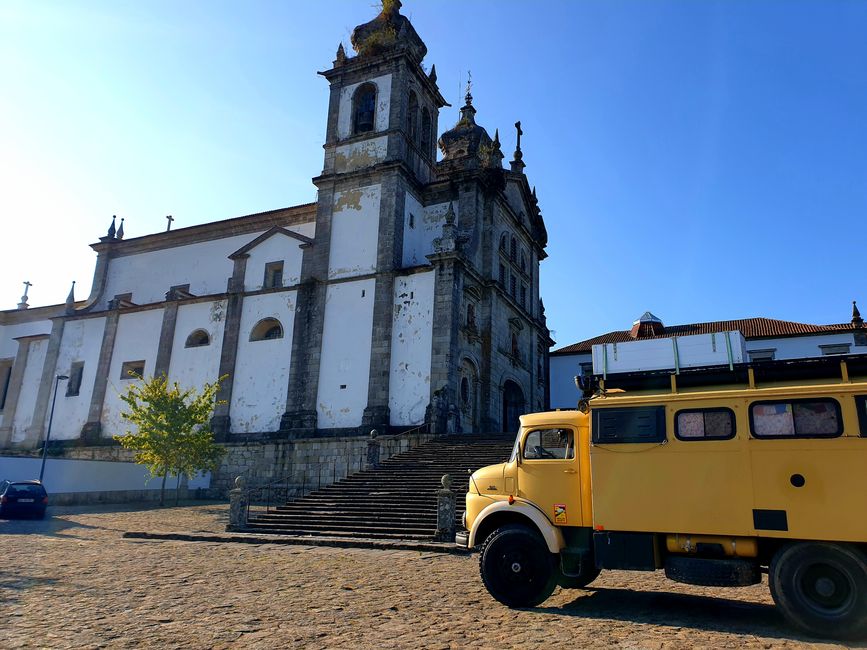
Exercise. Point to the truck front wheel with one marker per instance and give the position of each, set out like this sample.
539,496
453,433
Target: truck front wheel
821,588
516,566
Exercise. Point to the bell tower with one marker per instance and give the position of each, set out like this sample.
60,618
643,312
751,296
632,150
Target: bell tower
380,148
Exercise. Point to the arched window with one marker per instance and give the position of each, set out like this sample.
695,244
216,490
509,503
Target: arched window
364,108
198,339
465,390
412,117
523,262
267,329
503,243
513,249
426,135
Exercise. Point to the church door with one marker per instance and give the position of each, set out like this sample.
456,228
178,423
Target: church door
513,406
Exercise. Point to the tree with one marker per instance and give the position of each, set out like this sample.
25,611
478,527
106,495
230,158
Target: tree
173,428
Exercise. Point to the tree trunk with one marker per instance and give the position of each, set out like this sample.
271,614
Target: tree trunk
163,489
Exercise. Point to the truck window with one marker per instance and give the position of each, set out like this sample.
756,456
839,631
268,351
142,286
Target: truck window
635,424
861,407
549,443
704,424
796,418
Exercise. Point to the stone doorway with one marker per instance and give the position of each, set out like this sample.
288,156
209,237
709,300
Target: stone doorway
513,406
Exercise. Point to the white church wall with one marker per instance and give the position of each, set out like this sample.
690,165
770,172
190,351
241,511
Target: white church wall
262,367
349,157
137,339
81,341
420,227
383,96
148,276
192,367
8,334
29,388
277,248
354,232
345,364
409,383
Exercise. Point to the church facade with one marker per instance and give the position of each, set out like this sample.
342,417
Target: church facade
406,296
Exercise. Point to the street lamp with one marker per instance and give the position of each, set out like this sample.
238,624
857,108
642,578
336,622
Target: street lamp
50,419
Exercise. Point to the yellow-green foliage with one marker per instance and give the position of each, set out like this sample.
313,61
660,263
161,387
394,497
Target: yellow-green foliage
174,434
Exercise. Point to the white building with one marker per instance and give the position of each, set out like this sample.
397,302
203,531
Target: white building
408,294
764,339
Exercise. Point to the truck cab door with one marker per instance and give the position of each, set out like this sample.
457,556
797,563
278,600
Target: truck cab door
548,473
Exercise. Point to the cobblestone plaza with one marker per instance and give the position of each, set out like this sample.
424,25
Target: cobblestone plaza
73,581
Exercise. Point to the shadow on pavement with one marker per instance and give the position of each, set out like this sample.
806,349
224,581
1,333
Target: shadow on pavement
681,610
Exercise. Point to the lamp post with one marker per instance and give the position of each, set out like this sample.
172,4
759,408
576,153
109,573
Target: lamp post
50,419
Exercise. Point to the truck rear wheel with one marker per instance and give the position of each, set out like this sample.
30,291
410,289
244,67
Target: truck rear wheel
516,566
821,588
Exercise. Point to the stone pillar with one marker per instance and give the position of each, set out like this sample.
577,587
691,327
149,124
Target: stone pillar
239,502
299,418
444,364
167,337
37,425
373,451
92,429
221,422
16,377
445,512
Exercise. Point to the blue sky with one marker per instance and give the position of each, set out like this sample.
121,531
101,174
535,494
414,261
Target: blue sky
702,160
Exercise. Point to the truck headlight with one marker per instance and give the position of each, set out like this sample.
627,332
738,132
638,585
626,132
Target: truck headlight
464,519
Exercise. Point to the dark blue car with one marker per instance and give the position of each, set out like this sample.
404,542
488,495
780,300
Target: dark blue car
22,499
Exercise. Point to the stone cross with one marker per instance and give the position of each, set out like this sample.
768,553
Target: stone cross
23,304
169,218
520,133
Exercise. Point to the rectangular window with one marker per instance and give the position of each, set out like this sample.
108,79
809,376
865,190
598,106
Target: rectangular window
704,424
523,296
73,384
635,424
502,275
130,368
550,444
797,418
840,348
861,407
513,286
273,275
762,355
5,379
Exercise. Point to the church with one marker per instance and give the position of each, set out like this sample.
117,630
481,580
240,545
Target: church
406,296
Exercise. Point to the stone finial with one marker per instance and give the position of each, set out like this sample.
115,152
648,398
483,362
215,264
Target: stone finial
517,165
373,434
433,74
239,482
23,304
120,230
69,308
340,58
111,229
857,321
450,214
446,481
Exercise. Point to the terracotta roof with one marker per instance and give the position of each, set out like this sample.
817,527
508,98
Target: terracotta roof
751,328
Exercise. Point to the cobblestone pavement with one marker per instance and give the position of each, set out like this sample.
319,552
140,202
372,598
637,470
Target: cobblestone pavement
72,581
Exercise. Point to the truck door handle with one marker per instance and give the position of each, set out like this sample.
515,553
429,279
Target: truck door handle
570,471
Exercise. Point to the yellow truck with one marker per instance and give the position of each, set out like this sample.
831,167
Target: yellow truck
715,485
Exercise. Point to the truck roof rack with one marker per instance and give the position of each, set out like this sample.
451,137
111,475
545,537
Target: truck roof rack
833,369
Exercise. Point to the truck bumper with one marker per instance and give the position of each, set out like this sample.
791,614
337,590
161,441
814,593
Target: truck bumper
462,538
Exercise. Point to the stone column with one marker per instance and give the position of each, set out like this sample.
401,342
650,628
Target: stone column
373,451
16,378
444,368
167,337
445,512
46,384
92,429
221,422
238,503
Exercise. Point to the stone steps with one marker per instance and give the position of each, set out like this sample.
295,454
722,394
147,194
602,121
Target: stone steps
397,500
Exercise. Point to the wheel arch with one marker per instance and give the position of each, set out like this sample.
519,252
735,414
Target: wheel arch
501,513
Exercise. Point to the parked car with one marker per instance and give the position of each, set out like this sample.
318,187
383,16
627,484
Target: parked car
22,498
